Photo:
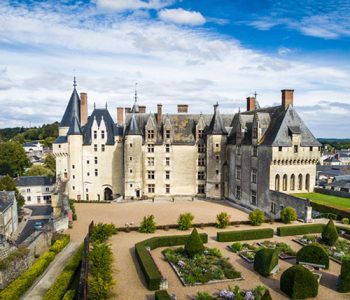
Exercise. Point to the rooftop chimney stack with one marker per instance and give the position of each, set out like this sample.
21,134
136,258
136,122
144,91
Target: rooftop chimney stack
120,116
83,108
142,109
250,103
159,113
287,98
127,110
182,108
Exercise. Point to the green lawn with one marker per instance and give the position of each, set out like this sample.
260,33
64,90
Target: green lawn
333,201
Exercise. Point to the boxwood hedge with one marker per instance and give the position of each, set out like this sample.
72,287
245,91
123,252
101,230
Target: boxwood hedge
314,254
162,295
243,235
344,277
300,229
265,261
148,267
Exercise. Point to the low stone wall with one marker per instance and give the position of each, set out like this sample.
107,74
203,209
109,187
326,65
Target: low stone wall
331,192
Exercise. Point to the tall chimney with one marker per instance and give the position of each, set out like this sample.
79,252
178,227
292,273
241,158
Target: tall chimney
250,103
127,110
83,108
287,98
120,116
159,113
142,109
182,108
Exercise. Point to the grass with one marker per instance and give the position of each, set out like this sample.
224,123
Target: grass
332,201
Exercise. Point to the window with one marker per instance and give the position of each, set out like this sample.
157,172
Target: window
73,187
295,148
201,189
300,182
254,198
73,166
87,162
273,208
87,197
88,173
87,190
238,173
38,198
151,188
95,134
130,171
150,174
201,148
167,188
73,176
200,134
130,158
102,134
102,148
284,184
150,148
28,190
95,148
150,161
167,148
167,174
277,183
130,185
217,157
255,151
167,134
254,172
238,192
96,160
96,172
307,182
201,161
217,186
217,145
217,172
201,175
130,145
150,134
47,189
280,149
167,161
238,150
29,198
292,182
311,148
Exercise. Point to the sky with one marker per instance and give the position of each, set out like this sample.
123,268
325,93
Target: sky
195,52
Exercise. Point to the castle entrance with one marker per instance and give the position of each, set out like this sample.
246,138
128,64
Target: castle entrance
108,194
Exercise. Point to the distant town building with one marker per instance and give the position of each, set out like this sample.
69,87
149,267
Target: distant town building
35,189
8,213
33,146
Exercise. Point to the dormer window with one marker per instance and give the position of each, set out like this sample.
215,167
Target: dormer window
102,134
296,149
95,134
167,134
150,134
200,134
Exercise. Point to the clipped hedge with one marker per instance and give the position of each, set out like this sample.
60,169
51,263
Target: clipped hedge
70,295
162,295
313,253
300,229
265,261
344,277
243,235
148,267
330,234
299,283
60,243
63,281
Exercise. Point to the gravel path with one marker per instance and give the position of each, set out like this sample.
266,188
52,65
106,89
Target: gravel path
44,282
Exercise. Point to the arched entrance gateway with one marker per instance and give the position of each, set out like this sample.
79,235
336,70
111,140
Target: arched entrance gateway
108,194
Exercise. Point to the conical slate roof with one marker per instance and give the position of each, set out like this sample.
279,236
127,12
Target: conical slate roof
74,128
72,110
216,125
133,128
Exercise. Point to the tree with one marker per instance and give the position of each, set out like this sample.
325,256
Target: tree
288,215
12,154
256,217
148,225
222,220
8,184
330,234
184,221
38,170
50,163
194,244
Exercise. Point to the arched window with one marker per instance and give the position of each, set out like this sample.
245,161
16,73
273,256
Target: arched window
284,182
300,182
307,182
277,182
292,182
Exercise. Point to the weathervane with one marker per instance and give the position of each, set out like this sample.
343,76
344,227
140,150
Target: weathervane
135,91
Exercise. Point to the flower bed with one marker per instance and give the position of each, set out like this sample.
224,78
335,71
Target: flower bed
207,267
245,250
284,250
336,252
232,293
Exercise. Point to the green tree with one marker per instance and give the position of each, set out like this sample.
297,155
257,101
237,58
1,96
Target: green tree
8,184
194,244
184,221
50,163
148,225
330,234
12,154
38,170
256,217
222,220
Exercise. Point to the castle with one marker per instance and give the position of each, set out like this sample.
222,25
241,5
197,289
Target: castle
255,158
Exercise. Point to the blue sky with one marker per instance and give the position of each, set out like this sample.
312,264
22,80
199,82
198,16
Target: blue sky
195,52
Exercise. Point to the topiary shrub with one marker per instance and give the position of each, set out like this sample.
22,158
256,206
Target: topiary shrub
344,277
162,295
265,261
299,283
148,225
288,215
330,234
314,254
256,217
184,221
222,220
266,296
345,220
194,244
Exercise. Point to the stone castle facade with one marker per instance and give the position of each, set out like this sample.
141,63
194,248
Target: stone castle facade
253,158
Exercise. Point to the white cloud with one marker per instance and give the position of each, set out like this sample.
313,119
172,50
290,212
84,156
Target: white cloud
181,16
122,5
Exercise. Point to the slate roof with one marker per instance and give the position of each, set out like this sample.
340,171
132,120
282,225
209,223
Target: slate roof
74,128
344,183
60,140
333,170
6,200
332,159
216,125
72,110
34,181
133,128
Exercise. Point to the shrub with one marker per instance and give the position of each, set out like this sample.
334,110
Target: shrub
265,261
299,283
237,246
344,277
243,235
148,225
299,229
204,296
266,296
102,232
256,217
63,281
194,244
162,295
69,295
313,253
345,220
185,221
72,207
330,234
288,215
222,220
60,243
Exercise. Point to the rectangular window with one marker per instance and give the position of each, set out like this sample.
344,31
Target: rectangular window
311,148
280,149
217,145
96,172
273,207
200,175
151,188
130,158
238,173
29,198
47,189
102,148
167,175
295,148
200,134
95,134
217,157
88,173
130,145
167,148
96,160
95,148
87,162
201,161
167,161
28,190
254,198
150,134
255,151
217,172
217,186
167,188
102,134
201,148
73,166
201,189
150,161
150,148
38,198
254,172
238,192
167,134
130,171
150,174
